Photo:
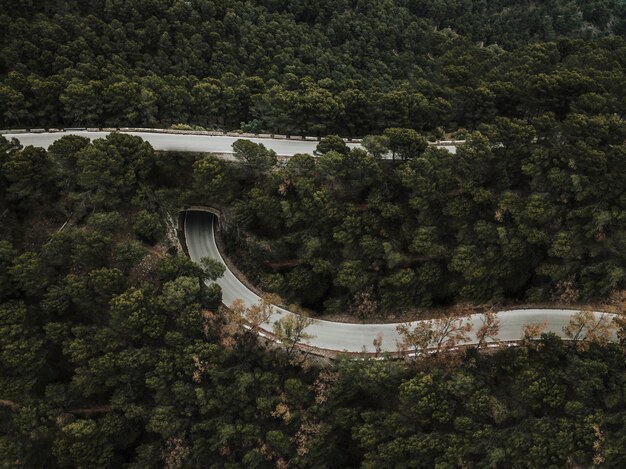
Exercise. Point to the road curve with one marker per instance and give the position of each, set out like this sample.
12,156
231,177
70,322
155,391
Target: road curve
182,142
346,337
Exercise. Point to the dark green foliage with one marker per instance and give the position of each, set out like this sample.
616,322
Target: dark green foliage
297,67
515,408
109,358
109,170
113,354
405,143
523,211
26,177
332,143
148,226
255,159
108,222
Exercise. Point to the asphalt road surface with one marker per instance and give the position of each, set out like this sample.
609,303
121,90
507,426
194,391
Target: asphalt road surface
178,142
183,142
338,337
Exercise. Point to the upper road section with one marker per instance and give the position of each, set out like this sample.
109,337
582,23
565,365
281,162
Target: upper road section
183,142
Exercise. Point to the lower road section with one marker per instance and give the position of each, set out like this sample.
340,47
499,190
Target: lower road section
339,337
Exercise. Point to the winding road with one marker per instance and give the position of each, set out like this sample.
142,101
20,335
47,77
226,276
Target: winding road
327,335
347,337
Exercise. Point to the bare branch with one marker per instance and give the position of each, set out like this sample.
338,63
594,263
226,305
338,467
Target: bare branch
434,336
449,332
378,344
489,329
256,315
415,338
586,328
8,404
532,332
290,330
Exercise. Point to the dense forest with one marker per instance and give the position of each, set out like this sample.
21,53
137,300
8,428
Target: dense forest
524,212
298,66
113,352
